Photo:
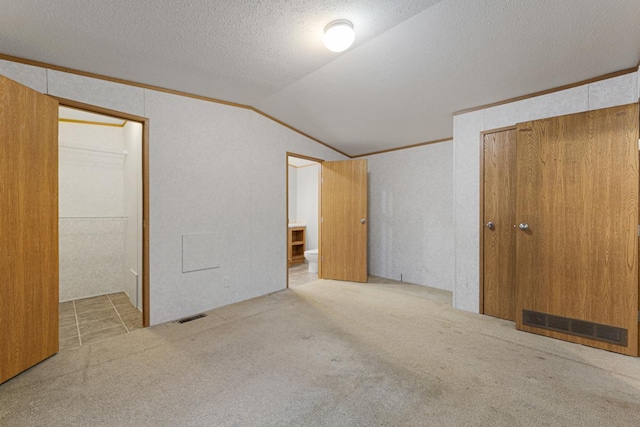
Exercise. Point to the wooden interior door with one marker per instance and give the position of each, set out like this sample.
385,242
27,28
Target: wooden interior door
577,255
344,221
499,234
28,228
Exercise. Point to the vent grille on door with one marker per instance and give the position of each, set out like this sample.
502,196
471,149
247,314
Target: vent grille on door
580,328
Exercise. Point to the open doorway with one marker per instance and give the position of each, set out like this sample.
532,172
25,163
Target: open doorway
101,240
303,219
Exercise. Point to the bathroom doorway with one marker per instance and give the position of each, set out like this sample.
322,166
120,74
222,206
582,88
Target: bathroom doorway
303,219
101,204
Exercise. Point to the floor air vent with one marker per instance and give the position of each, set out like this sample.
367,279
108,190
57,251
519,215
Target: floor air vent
189,319
580,328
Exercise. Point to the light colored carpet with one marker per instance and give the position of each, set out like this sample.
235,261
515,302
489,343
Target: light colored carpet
329,354
299,275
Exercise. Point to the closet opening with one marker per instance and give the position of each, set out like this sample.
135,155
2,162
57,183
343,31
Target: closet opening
102,206
303,219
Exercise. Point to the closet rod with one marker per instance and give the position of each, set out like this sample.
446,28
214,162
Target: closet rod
115,218
96,150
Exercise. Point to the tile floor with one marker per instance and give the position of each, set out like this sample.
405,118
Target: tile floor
88,320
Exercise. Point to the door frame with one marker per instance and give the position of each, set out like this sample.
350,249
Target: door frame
319,161
145,190
482,219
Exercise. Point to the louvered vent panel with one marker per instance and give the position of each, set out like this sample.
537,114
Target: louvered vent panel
583,328
558,323
533,318
580,328
609,333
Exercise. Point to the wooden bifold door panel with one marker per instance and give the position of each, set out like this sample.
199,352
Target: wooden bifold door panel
498,218
577,208
28,228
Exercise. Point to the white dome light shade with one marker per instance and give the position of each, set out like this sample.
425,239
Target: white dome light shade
339,35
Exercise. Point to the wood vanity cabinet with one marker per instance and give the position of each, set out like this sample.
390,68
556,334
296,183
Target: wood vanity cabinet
297,238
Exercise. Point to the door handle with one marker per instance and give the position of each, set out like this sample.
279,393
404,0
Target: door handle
491,225
363,221
523,226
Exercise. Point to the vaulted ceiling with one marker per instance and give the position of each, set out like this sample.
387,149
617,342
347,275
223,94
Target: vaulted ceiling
413,64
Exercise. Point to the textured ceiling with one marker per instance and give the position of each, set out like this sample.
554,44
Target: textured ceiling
413,64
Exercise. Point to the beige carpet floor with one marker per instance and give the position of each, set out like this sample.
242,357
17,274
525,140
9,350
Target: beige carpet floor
329,354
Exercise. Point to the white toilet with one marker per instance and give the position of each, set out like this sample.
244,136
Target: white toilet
312,257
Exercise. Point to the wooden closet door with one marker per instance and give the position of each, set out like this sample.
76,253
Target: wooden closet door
28,228
499,234
577,254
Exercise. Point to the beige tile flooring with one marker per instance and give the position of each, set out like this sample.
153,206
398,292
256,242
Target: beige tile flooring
88,320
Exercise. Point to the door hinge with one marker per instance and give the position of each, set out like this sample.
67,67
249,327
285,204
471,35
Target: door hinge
322,220
639,316
639,231
639,144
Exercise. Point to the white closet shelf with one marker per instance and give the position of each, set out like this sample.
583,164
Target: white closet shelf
94,149
97,218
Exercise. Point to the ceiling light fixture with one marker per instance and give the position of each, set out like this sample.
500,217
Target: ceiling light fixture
339,35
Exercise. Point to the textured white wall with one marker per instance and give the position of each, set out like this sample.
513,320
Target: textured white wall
466,163
28,75
90,182
99,137
115,96
132,189
308,202
411,215
293,194
90,187
197,186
